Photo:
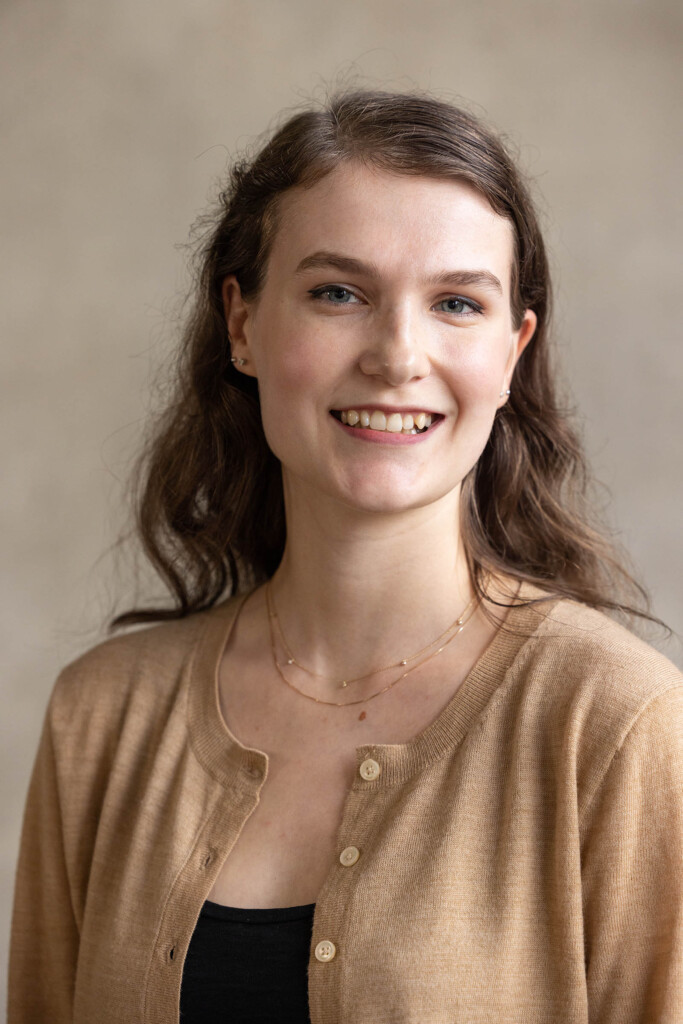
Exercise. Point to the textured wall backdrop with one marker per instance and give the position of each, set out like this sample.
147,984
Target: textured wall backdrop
117,119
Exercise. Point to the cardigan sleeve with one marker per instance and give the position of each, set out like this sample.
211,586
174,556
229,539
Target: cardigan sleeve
632,874
44,934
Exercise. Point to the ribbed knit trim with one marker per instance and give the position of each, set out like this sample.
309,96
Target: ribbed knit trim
217,749
233,764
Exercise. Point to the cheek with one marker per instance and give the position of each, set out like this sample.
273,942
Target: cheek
289,348
475,382
292,383
299,362
285,363
476,377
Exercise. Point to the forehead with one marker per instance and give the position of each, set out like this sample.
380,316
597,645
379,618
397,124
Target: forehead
393,220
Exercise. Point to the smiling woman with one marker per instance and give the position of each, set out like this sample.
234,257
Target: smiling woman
386,758
385,340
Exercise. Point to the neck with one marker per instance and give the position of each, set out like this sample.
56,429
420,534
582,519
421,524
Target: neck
356,590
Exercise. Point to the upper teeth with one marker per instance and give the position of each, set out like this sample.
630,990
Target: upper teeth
395,423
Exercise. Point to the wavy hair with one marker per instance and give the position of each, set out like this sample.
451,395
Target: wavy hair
207,489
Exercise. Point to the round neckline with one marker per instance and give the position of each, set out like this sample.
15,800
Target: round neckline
232,764
257,915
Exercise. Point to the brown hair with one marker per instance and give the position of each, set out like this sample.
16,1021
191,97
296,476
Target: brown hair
208,490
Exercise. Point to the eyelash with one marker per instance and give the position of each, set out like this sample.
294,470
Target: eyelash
318,293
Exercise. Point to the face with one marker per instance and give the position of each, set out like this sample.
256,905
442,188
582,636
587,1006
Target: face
385,295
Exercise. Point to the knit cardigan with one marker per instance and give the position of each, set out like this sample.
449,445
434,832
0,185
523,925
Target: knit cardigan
520,860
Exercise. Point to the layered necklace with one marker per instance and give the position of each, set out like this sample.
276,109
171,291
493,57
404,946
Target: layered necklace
443,640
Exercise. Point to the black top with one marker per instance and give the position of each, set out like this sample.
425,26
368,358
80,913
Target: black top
248,966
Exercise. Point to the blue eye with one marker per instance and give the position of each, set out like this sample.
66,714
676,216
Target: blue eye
337,295
460,306
341,295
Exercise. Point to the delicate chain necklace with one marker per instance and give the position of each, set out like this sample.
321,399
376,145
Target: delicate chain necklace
342,683
461,622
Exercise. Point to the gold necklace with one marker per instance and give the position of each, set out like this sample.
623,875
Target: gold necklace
461,623
342,683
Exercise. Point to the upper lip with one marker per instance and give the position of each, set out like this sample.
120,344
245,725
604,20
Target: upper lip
404,410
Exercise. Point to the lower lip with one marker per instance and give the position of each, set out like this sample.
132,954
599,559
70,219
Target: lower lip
385,436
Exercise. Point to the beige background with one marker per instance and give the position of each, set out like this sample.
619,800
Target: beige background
117,119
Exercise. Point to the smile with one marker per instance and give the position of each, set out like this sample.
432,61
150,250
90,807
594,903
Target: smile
392,423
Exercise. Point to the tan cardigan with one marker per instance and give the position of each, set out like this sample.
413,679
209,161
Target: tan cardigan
521,860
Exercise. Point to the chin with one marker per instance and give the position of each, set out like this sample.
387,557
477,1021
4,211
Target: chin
393,500
380,506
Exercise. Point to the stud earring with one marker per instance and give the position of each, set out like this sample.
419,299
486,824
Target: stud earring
505,392
240,362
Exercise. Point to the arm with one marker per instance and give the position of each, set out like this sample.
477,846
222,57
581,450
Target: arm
44,936
632,872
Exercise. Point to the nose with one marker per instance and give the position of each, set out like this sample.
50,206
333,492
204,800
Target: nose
396,351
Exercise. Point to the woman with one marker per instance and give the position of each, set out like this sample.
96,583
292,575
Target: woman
409,771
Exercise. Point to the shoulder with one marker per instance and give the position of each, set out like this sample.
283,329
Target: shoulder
585,647
139,673
590,685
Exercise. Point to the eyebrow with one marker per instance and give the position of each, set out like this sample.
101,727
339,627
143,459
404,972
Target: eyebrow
351,265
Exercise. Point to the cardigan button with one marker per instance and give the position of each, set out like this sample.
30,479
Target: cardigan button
349,856
370,769
325,951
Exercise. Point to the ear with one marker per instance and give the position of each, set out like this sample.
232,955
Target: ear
238,318
519,340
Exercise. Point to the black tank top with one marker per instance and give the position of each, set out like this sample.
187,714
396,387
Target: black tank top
248,966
